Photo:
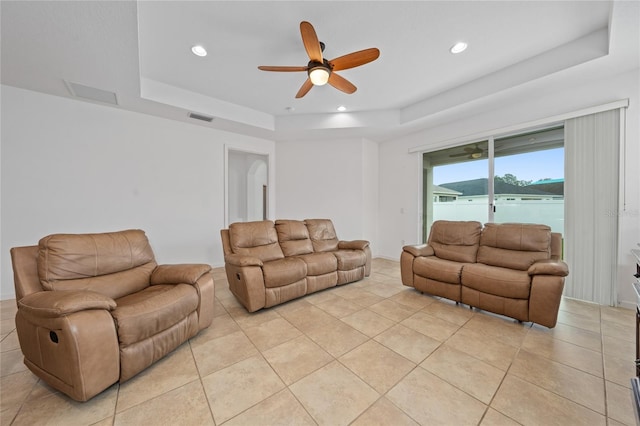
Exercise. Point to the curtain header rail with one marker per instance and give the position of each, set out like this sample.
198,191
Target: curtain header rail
547,121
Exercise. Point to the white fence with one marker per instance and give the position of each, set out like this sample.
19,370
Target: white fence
547,212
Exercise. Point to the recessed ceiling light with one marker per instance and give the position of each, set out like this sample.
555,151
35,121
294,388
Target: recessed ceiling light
342,108
199,50
460,46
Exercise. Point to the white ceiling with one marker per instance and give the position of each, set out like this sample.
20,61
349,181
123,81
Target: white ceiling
141,52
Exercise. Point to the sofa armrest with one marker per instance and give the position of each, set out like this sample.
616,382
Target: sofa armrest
353,245
241,260
55,304
549,267
179,274
420,250
545,298
69,340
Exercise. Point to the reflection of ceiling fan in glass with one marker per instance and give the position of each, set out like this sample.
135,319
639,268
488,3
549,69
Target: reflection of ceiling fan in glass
472,153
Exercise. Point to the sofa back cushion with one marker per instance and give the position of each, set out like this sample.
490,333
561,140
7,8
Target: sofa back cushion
322,234
514,245
114,264
293,236
256,239
455,240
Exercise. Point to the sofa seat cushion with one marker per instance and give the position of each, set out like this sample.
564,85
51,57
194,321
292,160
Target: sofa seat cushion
497,281
350,259
320,263
437,269
156,308
283,271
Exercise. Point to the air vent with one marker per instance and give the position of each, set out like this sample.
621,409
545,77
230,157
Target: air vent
91,93
201,117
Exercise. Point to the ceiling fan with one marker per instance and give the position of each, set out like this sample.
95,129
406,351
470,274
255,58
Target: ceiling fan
472,153
320,70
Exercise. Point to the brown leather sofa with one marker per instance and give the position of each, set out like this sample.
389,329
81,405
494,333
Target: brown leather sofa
94,309
510,269
270,263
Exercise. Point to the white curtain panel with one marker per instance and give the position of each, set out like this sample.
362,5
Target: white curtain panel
592,153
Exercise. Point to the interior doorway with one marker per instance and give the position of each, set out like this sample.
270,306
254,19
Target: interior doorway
247,175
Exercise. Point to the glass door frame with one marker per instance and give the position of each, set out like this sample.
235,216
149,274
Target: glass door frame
491,192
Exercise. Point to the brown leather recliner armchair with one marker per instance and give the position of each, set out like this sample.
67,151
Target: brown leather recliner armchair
94,309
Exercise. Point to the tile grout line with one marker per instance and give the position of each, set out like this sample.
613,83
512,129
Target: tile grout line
204,391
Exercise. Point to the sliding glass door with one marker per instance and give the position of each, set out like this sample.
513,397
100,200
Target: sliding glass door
529,178
456,184
526,184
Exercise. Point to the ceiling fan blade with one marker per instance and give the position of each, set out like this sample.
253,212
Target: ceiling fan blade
341,83
306,86
310,41
355,59
282,69
460,155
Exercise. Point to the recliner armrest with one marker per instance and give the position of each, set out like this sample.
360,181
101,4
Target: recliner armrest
549,267
420,250
55,304
353,245
241,260
179,274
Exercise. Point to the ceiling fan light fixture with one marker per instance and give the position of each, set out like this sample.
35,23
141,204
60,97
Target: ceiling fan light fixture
319,75
320,70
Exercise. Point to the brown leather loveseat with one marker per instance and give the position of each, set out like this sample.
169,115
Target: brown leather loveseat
510,269
94,309
270,263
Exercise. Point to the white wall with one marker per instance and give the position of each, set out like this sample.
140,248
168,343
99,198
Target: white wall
70,166
334,179
400,171
370,191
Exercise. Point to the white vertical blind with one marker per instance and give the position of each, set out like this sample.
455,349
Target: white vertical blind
592,149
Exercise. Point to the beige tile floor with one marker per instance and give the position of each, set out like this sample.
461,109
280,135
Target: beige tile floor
367,353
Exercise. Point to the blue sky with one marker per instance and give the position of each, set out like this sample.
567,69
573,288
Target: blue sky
529,166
